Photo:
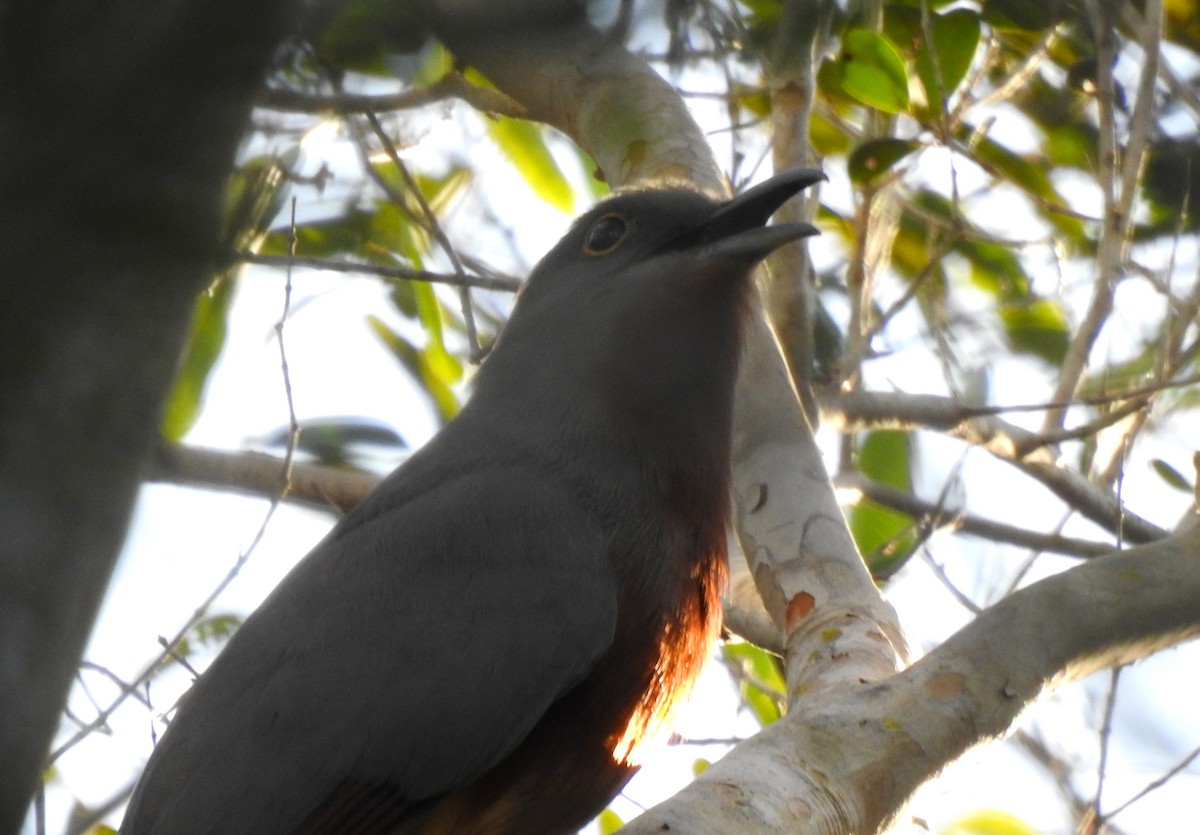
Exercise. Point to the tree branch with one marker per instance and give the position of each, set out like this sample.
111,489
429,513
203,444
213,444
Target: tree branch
257,474
451,85
1012,444
483,282
876,744
113,161
934,515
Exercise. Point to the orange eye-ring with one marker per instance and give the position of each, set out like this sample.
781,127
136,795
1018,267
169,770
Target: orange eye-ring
605,235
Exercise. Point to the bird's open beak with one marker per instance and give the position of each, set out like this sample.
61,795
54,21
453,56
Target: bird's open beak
738,230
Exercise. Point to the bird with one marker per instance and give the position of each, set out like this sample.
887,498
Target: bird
483,642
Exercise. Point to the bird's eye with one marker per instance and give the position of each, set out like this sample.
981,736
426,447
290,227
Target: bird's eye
605,235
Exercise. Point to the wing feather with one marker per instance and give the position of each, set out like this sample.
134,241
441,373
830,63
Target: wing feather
412,650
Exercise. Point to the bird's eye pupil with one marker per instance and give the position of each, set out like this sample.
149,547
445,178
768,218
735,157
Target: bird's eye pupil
605,235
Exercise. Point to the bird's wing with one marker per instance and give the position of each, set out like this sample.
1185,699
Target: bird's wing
408,653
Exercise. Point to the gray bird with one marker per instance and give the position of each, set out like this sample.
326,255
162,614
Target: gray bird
479,646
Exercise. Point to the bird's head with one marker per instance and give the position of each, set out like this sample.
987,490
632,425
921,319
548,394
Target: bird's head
645,293
646,239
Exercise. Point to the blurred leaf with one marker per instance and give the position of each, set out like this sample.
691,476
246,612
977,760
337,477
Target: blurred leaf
759,678
212,629
1071,145
439,193
995,269
329,440
989,822
441,362
884,456
1183,23
1172,476
218,628
955,39
826,137
699,766
253,199
205,341
829,343
1172,184
830,76
1030,176
1028,15
433,367
609,822
875,158
1117,376
521,142
593,176
870,70
1037,327
436,61
348,233
882,534
392,232
362,35
755,100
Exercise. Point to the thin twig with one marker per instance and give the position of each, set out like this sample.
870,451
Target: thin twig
1094,822
439,235
502,283
939,571
1153,785
1109,248
939,516
451,85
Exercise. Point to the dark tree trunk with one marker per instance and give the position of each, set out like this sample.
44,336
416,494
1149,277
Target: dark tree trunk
118,123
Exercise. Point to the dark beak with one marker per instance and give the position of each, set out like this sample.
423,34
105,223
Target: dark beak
738,230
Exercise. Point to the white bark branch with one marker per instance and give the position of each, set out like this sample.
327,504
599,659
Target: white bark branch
846,759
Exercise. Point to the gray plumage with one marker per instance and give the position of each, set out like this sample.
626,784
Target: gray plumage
467,649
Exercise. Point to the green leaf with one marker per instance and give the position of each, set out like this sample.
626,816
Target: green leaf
436,61
205,341
253,199
1037,327
218,628
433,367
609,822
871,160
212,629
521,142
366,31
345,234
1071,145
754,99
955,39
826,137
759,678
871,71
989,822
597,188
1116,376
884,456
329,440
996,269
883,535
1028,175
1023,15
1171,476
